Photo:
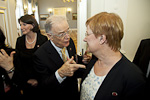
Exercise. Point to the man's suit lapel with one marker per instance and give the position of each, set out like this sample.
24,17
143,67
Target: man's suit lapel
54,55
71,48
70,51
148,52
145,57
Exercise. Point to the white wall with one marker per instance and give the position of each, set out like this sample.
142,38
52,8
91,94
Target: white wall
136,18
8,6
95,6
81,29
137,25
44,5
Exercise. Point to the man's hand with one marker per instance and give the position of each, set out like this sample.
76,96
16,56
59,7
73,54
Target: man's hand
33,82
69,67
86,58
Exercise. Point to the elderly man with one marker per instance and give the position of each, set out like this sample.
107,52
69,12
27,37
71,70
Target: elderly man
55,61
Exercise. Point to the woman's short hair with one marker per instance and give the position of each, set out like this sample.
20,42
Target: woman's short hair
110,25
29,19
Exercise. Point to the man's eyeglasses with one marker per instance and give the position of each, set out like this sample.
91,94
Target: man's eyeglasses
62,34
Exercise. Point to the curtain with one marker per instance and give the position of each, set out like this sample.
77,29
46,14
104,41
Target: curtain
19,13
31,7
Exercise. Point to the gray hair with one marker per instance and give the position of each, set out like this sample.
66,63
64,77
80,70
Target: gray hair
55,19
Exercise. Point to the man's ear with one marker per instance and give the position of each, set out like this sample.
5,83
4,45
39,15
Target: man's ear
102,39
49,35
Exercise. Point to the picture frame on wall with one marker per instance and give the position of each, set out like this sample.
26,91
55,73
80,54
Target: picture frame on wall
59,11
43,17
74,16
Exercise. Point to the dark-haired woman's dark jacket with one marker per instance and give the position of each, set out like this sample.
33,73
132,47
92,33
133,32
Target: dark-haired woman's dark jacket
24,64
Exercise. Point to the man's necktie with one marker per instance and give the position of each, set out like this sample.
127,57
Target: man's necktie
64,56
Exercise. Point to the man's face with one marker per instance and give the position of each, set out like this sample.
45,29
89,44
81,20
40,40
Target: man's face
60,33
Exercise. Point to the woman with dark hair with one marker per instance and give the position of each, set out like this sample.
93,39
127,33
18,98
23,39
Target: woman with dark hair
24,75
29,19
7,87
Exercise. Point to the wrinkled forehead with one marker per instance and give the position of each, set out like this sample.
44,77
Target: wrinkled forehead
59,23
60,26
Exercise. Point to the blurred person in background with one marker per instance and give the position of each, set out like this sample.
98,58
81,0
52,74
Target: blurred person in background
142,60
7,86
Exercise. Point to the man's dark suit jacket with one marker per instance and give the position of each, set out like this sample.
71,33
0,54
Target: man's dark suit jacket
125,81
142,58
47,62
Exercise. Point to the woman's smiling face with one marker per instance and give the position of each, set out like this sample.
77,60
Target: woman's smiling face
25,28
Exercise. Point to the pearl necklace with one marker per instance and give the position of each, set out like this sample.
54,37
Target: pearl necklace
32,41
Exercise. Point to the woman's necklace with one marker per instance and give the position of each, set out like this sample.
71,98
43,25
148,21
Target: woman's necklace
32,41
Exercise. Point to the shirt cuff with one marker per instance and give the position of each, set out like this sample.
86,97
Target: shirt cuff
60,79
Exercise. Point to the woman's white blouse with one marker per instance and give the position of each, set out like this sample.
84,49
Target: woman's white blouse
91,85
